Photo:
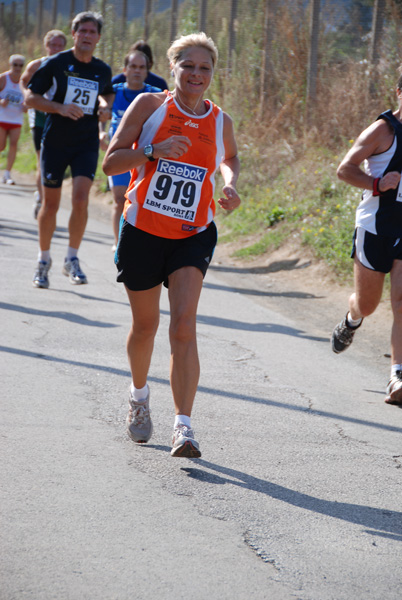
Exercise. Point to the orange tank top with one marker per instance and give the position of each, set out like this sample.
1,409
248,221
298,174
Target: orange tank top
174,198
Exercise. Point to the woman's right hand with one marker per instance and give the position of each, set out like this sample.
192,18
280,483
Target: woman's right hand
172,147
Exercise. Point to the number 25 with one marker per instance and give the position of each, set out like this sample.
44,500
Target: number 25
81,97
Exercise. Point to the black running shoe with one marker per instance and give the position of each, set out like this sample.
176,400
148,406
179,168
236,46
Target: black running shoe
342,335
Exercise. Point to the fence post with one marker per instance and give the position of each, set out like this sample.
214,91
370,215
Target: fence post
232,32
103,38
13,26
40,19
72,9
26,13
147,18
123,22
313,58
376,30
54,12
202,18
374,54
266,75
173,20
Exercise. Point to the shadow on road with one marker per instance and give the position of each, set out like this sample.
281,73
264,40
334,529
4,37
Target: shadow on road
256,327
378,520
58,314
254,292
274,267
205,390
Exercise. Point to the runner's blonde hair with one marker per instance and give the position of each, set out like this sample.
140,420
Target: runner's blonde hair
190,41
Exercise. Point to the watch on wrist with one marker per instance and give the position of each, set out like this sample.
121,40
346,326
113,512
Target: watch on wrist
148,151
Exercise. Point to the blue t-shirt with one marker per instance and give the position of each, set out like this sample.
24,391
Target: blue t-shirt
123,99
151,78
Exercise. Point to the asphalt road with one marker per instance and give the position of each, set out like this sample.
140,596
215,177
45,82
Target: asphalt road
298,490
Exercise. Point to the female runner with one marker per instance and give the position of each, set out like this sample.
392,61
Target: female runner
173,143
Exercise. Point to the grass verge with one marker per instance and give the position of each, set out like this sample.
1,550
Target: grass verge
304,200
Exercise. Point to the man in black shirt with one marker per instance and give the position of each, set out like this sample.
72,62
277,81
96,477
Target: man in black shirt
81,95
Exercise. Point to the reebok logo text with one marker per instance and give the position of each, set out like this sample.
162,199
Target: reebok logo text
184,171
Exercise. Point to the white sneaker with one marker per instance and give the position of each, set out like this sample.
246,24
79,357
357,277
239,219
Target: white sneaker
138,421
8,179
40,278
394,389
183,442
72,270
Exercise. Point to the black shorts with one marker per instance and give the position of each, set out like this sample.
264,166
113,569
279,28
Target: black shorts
54,162
144,260
37,133
376,252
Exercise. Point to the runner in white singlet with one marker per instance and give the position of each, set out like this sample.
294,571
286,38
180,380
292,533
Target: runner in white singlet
377,243
12,108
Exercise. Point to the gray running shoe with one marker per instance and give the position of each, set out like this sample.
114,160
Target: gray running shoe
41,279
139,424
342,335
184,444
72,270
394,389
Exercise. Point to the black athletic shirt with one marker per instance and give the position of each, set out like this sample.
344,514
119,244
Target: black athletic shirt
76,82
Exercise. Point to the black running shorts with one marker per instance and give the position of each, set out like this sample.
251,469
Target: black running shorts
144,260
376,252
82,160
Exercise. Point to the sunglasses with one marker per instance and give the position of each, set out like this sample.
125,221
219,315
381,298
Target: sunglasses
18,64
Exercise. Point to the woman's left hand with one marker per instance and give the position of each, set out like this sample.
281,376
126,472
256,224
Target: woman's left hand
231,199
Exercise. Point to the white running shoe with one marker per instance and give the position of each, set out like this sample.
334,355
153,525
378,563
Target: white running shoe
139,424
41,279
183,442
72,270
394,389
8,179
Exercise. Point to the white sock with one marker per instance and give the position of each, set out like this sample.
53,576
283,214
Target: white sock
140,394
352,322
71,253
183,419
395,368
7,174
44,255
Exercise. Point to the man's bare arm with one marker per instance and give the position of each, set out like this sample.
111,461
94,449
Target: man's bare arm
377,138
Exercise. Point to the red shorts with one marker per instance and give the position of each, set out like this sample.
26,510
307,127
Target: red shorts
8,126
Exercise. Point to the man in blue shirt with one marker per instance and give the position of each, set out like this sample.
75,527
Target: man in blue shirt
151,78
135,72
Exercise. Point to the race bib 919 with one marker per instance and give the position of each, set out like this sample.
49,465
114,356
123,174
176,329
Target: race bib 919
175,189
82,92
